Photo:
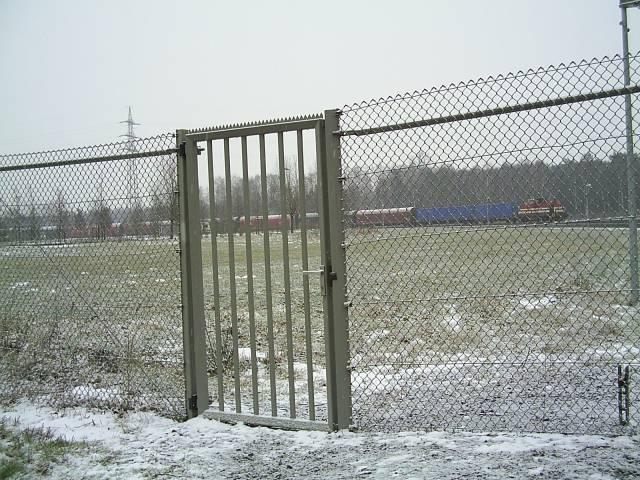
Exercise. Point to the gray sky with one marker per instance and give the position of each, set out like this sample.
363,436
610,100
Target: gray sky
70,68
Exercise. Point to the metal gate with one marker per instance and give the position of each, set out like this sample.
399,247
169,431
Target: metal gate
263,274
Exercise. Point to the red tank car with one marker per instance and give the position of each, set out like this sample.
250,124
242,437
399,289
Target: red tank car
256,224
386,216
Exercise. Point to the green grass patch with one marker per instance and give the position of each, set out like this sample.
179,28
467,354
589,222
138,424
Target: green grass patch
32,451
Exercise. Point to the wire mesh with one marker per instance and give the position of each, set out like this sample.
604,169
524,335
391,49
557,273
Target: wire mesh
488,258
90,284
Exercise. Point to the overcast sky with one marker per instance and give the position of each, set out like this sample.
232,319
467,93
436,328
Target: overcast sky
70,68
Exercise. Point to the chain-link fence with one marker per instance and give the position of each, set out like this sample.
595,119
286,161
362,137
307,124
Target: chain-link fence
489,254
90,277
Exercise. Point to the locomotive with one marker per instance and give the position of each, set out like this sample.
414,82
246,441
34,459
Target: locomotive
543,210
535,210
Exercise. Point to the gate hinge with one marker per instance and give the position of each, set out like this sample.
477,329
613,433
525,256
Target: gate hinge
193,402
182,149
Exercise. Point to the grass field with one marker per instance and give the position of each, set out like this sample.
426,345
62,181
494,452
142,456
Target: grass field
494,327
479,327
93,323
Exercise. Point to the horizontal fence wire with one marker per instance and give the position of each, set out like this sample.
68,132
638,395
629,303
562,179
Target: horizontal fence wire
489,253
90,308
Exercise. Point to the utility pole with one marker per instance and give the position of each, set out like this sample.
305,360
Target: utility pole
587,187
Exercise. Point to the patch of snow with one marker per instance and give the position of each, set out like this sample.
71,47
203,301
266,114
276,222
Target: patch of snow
300,368
377,334
452,319
144,445
538,303
244,354
88,392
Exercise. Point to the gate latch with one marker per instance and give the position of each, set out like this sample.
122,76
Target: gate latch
623,394
325,277
193,402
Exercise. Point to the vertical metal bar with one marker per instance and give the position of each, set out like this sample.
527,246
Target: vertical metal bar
193,321
631,171
325,252
325,256
232,275
267,276
305,279
216,278
287,281
338,321
247,236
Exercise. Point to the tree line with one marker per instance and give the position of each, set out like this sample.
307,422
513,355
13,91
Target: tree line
589,184
152,215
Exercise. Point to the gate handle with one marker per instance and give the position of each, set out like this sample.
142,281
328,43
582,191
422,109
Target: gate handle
323,278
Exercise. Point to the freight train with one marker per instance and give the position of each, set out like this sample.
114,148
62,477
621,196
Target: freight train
256,223
535,210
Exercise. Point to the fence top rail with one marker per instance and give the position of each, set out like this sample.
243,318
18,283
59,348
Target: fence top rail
484,94
554,102
304,122
140,148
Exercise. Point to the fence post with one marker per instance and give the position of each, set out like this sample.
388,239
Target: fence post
631,164
337,327
193,321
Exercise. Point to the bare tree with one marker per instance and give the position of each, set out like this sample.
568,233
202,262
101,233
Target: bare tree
3,223
101,215
79,220
156,215
293,200
311,192
17,218
35,224
166,192
61,216
103,221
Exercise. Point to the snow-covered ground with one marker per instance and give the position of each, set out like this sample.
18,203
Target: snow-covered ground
143,445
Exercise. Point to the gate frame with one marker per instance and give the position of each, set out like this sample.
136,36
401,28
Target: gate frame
332,271
193,319
336,302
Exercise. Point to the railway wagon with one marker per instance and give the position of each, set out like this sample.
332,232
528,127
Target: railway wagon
386,217
256,223
481,213
238,225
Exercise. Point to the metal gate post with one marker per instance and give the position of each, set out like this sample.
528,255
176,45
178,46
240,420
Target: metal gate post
193,321
337,319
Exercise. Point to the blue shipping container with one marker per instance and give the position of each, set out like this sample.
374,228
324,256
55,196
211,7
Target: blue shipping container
465,214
